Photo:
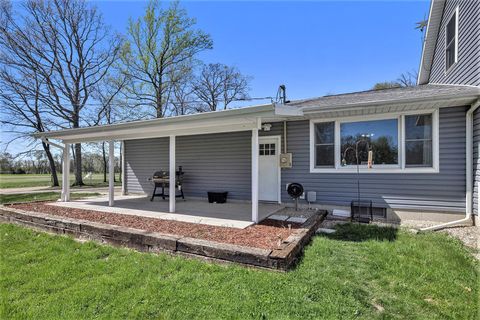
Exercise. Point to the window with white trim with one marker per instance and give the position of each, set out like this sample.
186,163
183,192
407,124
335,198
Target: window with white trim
378,136
418,140
325,145
403,142
451,40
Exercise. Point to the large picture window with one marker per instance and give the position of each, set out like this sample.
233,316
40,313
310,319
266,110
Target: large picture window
379,136
403,142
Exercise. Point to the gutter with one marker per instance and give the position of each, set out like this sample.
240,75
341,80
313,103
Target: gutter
469,175
44,140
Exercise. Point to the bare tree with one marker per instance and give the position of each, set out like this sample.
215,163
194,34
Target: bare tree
23,111
406,79
159,42
66,43
218,85
109,109
183,98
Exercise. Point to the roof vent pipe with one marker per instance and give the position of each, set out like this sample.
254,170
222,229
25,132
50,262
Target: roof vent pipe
282,94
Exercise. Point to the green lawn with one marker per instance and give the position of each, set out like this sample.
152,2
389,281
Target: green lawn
41,196
362,272
40,180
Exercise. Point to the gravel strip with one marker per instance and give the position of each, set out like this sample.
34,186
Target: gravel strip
266,235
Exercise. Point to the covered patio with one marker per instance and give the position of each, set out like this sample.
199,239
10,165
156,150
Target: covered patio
232,214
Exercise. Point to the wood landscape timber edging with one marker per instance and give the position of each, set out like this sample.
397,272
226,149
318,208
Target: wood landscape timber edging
281,258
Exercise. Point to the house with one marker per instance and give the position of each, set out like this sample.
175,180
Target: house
424,140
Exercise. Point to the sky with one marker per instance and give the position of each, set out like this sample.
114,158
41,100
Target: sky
314,48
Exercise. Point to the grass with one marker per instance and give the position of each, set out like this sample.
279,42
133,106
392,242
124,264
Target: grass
362,272
41,180
41,196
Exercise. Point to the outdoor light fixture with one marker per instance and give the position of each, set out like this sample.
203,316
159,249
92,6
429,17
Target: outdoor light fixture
266,126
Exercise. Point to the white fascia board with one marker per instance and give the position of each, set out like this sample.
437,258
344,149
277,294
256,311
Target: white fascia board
431,39
178,122
221,121
286,110
165,131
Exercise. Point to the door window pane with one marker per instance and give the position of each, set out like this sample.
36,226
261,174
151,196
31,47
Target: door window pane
418,141
267,149
379,136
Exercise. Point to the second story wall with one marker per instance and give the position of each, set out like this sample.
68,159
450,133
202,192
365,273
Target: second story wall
467,68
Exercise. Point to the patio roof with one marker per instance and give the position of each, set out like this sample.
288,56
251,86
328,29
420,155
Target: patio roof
231,120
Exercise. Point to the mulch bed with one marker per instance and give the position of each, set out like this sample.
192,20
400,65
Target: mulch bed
265,235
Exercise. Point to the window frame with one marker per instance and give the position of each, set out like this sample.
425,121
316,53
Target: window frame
390,168
324,144
455,40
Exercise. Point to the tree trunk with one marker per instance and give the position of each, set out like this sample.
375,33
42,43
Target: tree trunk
78,165
51,162
78,149
104,155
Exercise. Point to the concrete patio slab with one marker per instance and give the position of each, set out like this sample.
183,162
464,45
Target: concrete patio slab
232,214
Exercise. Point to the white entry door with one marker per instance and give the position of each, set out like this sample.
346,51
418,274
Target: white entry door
269,169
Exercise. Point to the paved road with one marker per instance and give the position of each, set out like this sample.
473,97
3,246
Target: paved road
57,189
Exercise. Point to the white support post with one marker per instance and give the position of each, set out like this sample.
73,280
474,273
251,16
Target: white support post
172,174
111,173
124,182
255,175
66,173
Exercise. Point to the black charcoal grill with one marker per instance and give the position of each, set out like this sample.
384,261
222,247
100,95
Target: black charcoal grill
161,179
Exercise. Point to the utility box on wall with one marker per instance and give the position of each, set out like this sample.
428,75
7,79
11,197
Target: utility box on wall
285,160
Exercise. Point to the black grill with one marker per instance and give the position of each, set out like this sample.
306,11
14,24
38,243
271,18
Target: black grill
161,179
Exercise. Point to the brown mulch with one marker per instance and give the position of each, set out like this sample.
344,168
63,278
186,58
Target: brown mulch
265,235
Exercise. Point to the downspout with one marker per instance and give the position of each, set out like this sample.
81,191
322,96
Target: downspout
469,175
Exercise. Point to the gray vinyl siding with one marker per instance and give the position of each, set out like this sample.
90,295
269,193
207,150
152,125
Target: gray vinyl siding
142,158
223,162
213,162
476,159
466,70
216,162
443,191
